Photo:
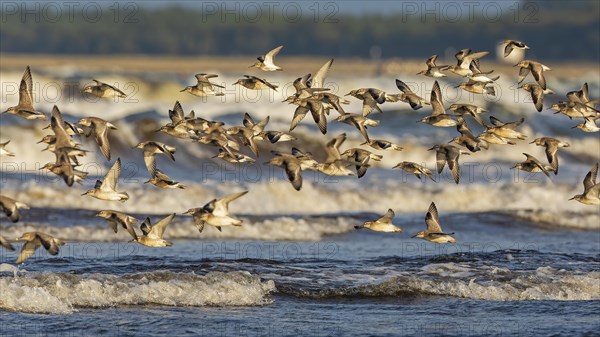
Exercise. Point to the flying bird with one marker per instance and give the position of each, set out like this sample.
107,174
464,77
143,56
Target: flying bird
434,232
266,62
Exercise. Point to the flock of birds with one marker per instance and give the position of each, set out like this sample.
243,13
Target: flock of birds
311,96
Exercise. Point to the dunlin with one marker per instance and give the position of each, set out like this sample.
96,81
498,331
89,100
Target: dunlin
383,224
266,62
434,232
551,145
415,169
11,208
103,90
33,240
591,190
115,218
215,213
25,107
152,235
446,153
99,128
107,189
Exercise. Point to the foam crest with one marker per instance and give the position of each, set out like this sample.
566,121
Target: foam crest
61,293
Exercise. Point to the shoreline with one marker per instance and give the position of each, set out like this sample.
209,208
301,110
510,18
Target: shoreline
240,64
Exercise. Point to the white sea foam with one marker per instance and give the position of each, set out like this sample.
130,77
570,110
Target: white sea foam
274,229
377,191
60,293
489,283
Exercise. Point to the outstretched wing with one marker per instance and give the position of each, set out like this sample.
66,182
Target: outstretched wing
26,89
112,177
388,217
432,219
221,206
590,179
159,228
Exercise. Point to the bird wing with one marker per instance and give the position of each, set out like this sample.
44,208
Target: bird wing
455,169
436,100
467,59
101,135
28,249
299,115
269,57
5,243
128,225
387,217
318,81
431,61
158,230
363,130
221,206
590,179
522,74
440,159
112,177
369,104
58,127
538,75
176,114
496,122
333,148
150,162
551,155
146,226
537,95
432,219
508,49
403,87
248,121
26,89
51,244
263,81
294,172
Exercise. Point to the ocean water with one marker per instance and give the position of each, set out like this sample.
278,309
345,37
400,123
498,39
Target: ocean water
527,262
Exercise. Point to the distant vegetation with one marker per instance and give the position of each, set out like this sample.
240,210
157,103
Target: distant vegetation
565,31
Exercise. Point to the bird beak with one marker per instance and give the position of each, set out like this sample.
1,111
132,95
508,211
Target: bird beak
433,148
458,86
516,65
575,127
532,142
182,90
572,198
526,47
414,236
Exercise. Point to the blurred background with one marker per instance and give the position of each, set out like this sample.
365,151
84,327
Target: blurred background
556,30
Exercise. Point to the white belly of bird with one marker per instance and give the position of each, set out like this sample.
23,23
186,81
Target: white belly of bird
387,228
219,221
441,239
109,196
334,170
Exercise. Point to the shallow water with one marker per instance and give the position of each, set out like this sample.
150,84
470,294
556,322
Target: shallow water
527,260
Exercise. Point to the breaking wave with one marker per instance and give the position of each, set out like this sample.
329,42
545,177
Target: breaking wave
63,293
